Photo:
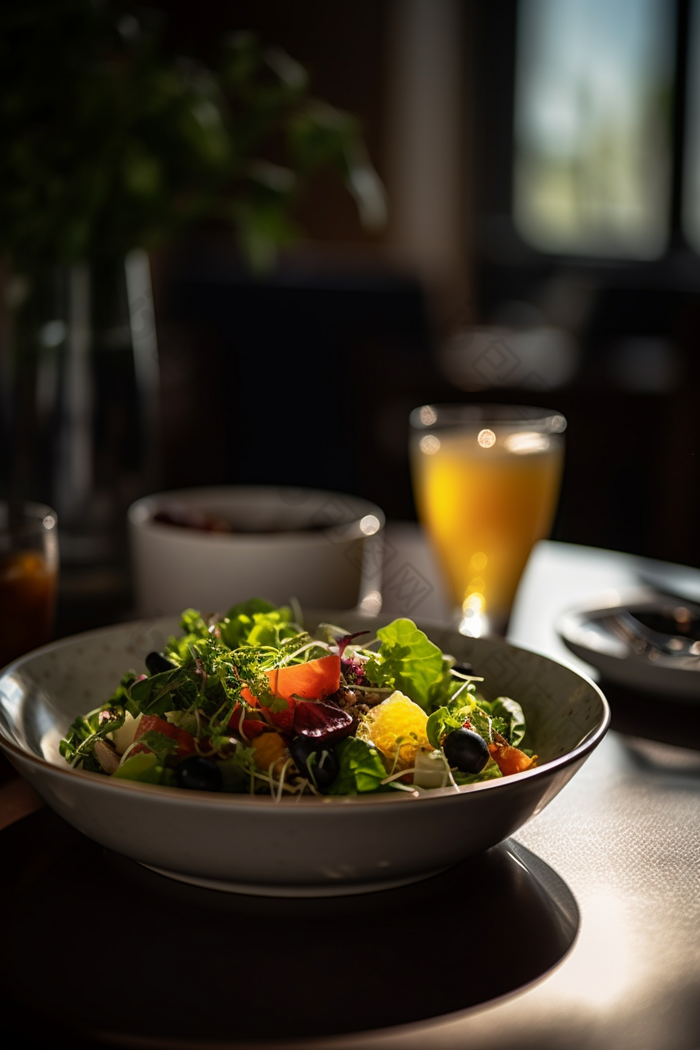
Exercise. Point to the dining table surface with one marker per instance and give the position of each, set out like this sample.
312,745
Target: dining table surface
580,932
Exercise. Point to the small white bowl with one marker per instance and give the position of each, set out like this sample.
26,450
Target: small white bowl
322,548
295,847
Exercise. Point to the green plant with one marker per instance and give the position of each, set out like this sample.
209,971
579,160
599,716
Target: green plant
109,143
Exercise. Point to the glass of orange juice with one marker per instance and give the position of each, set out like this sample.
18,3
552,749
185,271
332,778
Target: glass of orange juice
486,481
28,577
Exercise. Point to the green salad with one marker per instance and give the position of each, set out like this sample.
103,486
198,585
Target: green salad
250,702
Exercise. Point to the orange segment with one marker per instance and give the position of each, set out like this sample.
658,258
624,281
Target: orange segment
397,728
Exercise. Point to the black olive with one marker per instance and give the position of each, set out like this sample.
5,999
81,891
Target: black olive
314,760
466,750
156,663
198,774
463,667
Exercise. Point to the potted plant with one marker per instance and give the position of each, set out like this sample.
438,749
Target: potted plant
111,147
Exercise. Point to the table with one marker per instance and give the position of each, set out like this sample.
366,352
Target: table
584,928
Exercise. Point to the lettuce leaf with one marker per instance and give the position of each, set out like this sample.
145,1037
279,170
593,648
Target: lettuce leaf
407,660
145,768
503,715
489,772
511,713
158,743
85,731
256,622
156,695
452,716
193,627
236,771
360,768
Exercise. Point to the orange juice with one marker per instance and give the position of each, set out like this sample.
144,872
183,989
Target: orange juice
27,599
485,496
28,577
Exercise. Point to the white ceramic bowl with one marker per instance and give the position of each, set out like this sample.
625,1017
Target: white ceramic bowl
304,847
326,550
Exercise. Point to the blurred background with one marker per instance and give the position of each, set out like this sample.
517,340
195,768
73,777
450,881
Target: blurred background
513,214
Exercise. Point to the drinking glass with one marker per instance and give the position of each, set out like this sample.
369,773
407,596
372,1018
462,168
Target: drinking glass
486,482
28,577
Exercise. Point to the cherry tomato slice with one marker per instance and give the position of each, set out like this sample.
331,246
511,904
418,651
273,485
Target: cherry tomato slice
183,739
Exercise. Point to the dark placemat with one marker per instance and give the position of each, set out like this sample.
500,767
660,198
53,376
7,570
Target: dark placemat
101,951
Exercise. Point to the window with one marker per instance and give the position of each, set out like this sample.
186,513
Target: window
592,121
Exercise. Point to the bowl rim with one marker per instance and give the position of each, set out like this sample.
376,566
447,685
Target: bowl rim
231,800
139,516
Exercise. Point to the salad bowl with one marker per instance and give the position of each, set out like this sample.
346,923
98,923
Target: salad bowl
303,846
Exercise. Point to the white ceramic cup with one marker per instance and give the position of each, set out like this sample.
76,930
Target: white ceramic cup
322,548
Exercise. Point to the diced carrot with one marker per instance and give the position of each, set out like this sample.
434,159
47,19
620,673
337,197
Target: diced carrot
510,759
269,749
282,720
313,680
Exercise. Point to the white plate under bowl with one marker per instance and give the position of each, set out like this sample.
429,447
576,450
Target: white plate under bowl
305,847
584,630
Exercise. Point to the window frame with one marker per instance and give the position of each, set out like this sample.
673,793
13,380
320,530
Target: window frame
504,257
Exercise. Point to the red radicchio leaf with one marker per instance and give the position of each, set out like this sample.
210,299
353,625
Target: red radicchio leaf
317,720
353,672
347,638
